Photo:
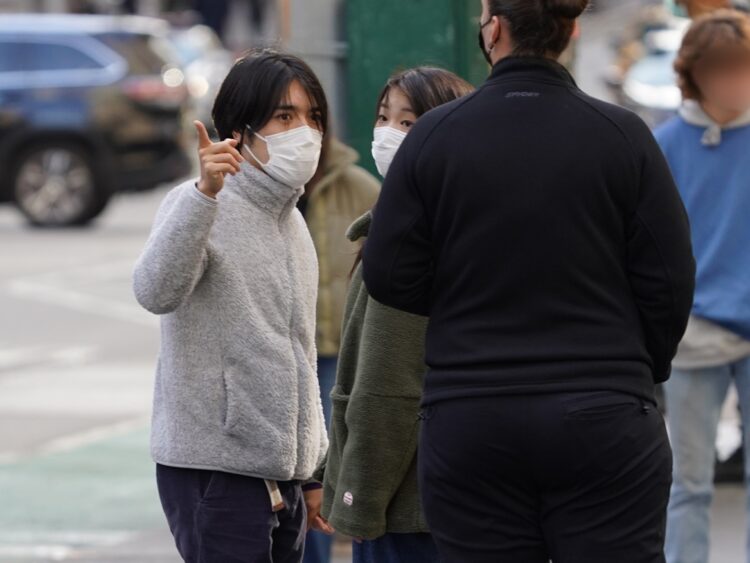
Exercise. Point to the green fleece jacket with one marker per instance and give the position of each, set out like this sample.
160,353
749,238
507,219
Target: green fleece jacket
370,477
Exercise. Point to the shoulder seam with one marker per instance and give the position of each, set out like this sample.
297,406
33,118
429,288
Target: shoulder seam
463,101
581,97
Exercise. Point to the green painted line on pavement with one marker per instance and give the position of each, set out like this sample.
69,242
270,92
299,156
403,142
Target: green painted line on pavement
100,490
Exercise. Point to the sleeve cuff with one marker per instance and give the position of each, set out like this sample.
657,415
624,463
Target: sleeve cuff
203,197
312,486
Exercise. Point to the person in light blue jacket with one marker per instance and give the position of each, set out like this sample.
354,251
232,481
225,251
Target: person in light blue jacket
708,148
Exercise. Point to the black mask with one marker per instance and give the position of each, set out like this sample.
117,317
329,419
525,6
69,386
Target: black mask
482,46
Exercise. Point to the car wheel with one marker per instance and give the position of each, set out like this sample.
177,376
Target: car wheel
55,186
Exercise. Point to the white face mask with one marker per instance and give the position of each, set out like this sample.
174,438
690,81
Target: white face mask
385,145
293,156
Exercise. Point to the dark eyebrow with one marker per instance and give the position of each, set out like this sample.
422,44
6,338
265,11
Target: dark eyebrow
289,107
406,109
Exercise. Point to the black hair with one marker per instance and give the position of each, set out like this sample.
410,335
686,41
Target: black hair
426,88
539,27
257,85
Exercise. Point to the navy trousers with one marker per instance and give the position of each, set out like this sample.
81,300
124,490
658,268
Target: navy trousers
396,548
218,517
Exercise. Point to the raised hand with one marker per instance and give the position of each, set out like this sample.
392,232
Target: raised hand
217,160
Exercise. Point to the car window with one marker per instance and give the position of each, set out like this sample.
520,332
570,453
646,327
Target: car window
10,56
137,50
43,56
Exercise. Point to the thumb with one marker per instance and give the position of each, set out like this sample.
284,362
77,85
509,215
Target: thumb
203,139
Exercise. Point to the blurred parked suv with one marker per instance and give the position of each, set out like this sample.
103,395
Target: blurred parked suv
89,106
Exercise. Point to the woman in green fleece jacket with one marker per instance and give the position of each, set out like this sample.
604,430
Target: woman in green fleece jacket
370,478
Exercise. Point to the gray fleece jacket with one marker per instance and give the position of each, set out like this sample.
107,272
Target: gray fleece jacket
236,282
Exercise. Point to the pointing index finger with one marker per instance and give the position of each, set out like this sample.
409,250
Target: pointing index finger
203,139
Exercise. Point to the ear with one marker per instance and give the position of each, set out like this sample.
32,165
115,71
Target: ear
242,143
504,40
497,32
577,30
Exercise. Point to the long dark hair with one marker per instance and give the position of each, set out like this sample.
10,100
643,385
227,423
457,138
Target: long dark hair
426,87
257,85
539,27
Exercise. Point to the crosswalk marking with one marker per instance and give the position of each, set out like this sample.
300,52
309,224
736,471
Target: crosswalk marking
20,357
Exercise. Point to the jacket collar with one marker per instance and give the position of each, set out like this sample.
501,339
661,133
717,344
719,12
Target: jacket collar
334,161
692,112
261,190
531,67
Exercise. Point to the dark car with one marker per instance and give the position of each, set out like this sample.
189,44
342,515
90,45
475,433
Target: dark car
89,106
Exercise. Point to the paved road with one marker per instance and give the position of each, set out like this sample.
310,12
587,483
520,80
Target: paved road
76,362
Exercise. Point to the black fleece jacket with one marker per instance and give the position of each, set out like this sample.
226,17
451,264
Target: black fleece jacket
541,231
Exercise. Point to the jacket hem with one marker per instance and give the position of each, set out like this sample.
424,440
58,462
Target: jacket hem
209,467
444,385
368,533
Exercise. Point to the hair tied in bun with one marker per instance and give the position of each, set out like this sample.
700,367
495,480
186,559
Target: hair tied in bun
566,8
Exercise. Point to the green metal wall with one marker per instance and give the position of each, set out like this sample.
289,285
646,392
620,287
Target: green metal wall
389,35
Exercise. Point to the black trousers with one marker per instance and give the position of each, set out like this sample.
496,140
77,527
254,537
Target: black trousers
573,478
219,517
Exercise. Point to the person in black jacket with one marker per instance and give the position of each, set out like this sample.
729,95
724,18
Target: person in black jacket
541,231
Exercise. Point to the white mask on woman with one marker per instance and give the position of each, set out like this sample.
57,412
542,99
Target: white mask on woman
385,145
293,156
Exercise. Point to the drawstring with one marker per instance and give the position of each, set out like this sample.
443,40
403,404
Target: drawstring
277,501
